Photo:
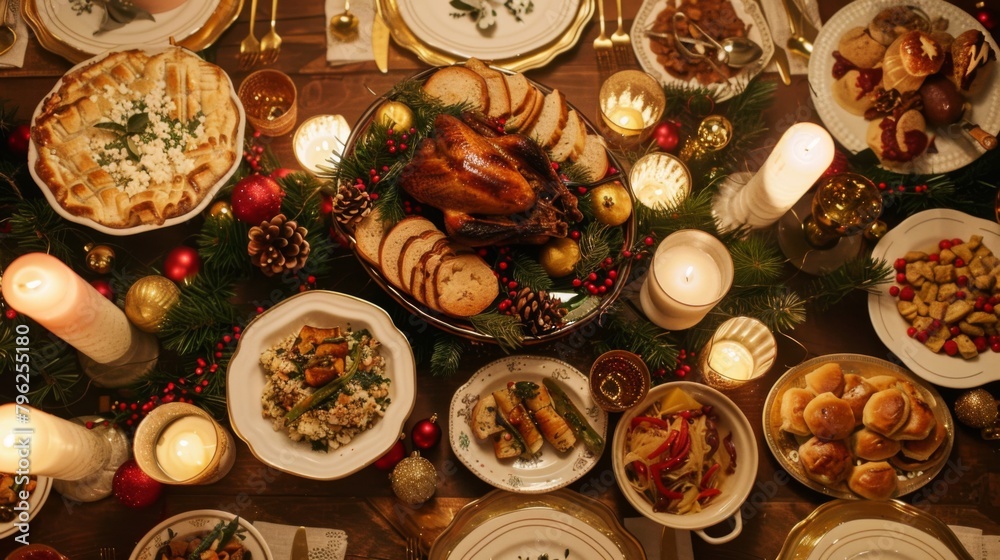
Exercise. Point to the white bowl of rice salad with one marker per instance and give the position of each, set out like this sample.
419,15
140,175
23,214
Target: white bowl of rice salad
321,385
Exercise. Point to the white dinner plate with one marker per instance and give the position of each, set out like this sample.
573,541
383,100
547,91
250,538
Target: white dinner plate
245,381
747,10
864,539
921,232
35,502
955,148
197,521
547,470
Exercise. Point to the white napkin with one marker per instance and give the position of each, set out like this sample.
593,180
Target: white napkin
324,544
14,58
980,546
774,11
358,49
650,536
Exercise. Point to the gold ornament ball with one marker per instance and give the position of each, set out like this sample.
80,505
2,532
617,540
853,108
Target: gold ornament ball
611,204
876,231
715,132
149,300
414,479
395,115
976,408
559,256
221,209
100,258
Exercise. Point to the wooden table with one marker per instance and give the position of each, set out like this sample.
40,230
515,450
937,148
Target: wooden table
363,504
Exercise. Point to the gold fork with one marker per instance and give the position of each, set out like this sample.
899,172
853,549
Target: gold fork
413,549
250,46
270,44
622,43
603,47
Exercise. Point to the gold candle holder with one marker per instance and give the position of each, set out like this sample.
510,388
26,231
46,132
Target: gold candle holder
660,180
619,380
179,443
740,350
269,99
631,103
319,142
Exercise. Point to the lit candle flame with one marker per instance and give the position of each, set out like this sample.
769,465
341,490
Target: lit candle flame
32,284
689,274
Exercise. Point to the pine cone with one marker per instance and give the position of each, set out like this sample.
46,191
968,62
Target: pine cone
278,245
538,312
351,204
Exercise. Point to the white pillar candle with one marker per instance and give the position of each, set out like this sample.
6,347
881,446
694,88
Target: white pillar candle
48,291
47,445
801,156
691,272
186,446
320,141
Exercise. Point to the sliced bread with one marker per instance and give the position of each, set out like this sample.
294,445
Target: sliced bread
526,117
368,236
551,122
419,273
464,285
594,159
573,139
497,87
456,84
413,249
394,241
519,90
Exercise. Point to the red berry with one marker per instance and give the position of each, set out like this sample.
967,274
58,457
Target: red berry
906,294
933,257
648,241
988,308
922,336
962,280
911,332
899,265
574,235
894,291
900,278
592,277
956,241
960,294
613,274
944,244
995,347
950,347
981,344
955,331
577,282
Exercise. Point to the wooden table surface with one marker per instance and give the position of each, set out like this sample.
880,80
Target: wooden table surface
363,504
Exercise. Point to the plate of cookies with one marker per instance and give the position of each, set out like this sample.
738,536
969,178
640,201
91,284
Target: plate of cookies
911,82
857,427
940,315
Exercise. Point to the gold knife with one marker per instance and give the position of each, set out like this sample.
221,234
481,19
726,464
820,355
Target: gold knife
300,548
780,57
380,41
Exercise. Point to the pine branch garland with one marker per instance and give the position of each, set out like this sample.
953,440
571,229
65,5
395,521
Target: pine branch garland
694,212
447,355
505,329
528,273
222,245
862,273
656,347
756,262
775,306
597,243
35,227
203,315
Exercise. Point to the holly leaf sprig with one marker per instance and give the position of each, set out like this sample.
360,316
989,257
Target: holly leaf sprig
135,125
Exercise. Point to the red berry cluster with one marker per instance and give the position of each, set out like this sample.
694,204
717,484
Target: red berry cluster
599,281
982,302
253,152
502,271
412,208
398,146
918,189
683,367
309,284
373,179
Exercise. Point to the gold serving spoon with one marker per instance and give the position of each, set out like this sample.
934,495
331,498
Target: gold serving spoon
344,26
7,34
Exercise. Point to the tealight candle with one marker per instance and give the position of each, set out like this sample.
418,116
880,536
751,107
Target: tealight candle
660,180
690,273
631,103
798,160
740,350
179,443
320,140
627,119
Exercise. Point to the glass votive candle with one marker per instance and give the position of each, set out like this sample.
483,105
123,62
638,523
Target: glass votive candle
319,142
691,271
179,443
631,103
269,99
619,380
659,180
740,350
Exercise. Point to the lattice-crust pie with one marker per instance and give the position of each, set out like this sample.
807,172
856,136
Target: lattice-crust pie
137,138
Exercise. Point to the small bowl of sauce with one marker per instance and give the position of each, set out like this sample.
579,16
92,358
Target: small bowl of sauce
35,552
619,380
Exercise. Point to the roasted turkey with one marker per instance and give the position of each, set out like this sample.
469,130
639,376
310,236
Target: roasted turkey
492,189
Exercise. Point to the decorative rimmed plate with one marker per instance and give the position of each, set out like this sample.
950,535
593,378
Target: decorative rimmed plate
438,38
955,148
245,384
785,446
197,521
583,311
207,196
505,525
35,502
194,25
547,470
921,232
890,530
747,10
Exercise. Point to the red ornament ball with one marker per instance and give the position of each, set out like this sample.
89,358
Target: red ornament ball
104,288
256,199
133,487
426,433
388,461
181,264
18,140
667,135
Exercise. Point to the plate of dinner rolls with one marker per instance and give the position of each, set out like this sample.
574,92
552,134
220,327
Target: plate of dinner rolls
857,427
